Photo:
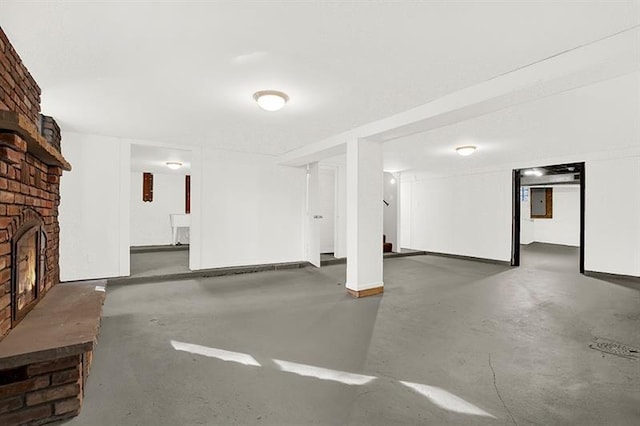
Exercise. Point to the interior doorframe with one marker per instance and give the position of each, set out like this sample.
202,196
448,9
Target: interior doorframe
516,214
582,215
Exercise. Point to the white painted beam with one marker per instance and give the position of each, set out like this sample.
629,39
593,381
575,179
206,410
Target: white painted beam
607,58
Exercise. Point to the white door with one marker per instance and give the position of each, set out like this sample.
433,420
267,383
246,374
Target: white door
326,209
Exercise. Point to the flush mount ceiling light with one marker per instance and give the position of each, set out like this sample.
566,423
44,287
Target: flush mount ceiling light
173,165
466,150
271,100
533,172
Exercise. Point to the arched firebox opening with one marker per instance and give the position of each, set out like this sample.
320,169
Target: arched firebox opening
29,268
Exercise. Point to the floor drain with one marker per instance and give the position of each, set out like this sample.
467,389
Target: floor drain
615,348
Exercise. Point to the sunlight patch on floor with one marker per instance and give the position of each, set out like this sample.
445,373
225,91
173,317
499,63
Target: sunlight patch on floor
446,400
324,373
238,357
437,396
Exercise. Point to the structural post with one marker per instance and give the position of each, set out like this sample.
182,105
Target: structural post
364,218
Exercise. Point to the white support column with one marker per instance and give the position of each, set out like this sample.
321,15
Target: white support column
313,229
340,246
364,218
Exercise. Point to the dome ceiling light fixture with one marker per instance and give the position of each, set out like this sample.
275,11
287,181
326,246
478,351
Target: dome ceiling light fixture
173,165
271,100
466,150
533,172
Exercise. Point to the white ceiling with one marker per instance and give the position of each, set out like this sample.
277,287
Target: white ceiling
584,120
184,72
153,159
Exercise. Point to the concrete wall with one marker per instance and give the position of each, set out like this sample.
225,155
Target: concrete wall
467,215
252,210
467,211
341,212
94,208
150,224
327,209
527,225
470,215
563,228
246,209
391,211
405,213
612,235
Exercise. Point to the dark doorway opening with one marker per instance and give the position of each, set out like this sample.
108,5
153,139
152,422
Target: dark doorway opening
544,177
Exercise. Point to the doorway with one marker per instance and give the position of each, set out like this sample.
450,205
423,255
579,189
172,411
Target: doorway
160,207
537,193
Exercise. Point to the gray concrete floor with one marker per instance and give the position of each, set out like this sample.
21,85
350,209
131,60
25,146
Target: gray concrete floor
159,263
513,342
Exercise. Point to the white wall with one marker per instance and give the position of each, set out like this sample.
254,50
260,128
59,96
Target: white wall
245,209
252,210
527,225
150,224
390,212
470,215
563,228
327,201
406,200
340,247
467,215
612,235
94,211
312,214
447,215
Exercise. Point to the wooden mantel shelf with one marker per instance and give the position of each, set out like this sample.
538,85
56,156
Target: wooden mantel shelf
37,145
65,322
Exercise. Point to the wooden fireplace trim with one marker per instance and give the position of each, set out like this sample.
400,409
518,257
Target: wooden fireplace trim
36,144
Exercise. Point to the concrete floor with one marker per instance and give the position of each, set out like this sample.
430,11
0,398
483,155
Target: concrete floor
512,342
159,263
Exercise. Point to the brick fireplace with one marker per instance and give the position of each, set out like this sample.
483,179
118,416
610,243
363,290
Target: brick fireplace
29,193
30,169
47,331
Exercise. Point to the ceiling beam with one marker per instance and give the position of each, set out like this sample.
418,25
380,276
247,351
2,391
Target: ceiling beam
601,60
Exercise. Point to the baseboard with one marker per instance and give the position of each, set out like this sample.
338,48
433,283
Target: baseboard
155,249
605,275
207,273
551,244
474,259
385,256
365,293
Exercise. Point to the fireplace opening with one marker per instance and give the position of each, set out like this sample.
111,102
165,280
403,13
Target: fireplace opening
28,264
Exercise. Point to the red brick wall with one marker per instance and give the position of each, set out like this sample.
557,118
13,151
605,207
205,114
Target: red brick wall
43,392
19,92
51,131
29,189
